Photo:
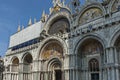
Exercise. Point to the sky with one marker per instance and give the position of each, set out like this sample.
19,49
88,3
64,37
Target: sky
15,12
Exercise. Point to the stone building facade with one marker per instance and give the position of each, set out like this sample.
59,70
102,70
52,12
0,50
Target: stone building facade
76,42
1,68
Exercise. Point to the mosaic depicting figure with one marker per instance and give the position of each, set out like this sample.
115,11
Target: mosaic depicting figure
90,15
52,50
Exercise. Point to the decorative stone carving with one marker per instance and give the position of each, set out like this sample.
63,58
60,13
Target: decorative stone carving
105,2
116,5
90,15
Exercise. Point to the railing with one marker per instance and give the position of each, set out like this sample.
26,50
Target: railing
27,76
10,76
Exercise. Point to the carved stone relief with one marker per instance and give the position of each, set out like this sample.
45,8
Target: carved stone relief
116,5
90,15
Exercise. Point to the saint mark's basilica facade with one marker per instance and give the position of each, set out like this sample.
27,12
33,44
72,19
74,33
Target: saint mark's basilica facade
72,42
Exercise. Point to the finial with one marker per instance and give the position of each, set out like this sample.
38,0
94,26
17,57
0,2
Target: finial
19,28
63,2
22,27
50,10
30,22
43,16
35,20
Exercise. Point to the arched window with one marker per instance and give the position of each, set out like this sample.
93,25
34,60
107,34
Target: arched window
94,69
93,65
15,65
27,63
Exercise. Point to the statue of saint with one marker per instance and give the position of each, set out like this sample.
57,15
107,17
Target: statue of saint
55,2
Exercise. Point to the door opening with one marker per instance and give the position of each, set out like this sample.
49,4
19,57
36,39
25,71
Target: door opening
58,75
94,76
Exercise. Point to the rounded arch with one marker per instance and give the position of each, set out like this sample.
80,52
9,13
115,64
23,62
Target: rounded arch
13,58
54,63
27,54
93,6
94,37
53,18
15,64
114,37
50,49
52,38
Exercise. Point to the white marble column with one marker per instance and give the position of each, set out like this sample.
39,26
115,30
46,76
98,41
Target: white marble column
117,74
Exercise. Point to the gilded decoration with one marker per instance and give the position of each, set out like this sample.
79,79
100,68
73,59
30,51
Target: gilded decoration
52,49
91,47
115,5
90,15
57,8
59,27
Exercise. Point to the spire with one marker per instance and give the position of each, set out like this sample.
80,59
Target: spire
30,22
19,28
22,27
43,16
50,10
35,20
63,2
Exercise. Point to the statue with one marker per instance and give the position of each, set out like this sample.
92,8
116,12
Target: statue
55,2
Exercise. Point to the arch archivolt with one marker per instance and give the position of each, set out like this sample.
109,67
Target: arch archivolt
13,58
57,43
114,37
56,17
90,47
24,55
54,64
91,36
